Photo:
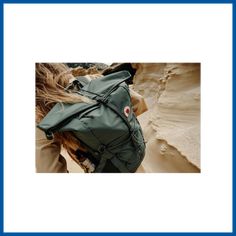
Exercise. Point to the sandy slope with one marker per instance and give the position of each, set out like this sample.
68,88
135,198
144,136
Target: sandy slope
172,124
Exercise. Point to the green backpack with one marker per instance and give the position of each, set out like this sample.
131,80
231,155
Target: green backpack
108,128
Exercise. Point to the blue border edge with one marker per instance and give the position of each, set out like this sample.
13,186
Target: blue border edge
1,123
107,1
121,1
233,115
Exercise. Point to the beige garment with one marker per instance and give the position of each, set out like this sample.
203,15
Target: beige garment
48,157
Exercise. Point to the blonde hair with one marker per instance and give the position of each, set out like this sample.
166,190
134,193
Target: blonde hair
51,80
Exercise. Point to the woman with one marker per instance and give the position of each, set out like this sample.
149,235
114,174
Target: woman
51,81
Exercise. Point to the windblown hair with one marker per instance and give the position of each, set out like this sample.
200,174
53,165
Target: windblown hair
51,80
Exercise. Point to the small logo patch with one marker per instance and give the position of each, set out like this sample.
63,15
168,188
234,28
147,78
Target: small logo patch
127,111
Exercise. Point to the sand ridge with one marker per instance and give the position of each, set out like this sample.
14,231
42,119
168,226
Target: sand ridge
171,126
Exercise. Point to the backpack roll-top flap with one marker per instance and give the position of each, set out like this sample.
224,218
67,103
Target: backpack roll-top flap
62,113
103,85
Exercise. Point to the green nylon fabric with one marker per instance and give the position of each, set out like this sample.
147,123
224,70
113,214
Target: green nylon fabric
105,134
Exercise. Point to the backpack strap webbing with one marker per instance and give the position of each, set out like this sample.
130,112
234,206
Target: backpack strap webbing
114,160
117,163
78,83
